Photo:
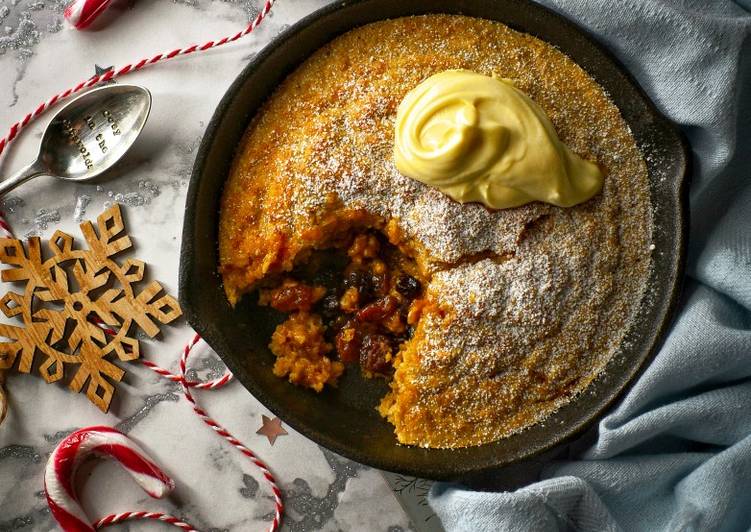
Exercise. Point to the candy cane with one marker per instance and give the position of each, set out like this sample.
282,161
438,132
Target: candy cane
215,426
61,469
81,13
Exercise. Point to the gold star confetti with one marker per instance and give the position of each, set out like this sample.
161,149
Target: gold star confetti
271,428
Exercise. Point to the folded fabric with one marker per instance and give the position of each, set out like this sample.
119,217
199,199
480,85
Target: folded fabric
676,453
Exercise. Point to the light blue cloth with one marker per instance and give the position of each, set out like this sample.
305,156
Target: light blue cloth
676,453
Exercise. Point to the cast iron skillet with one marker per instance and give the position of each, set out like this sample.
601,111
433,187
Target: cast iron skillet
344,419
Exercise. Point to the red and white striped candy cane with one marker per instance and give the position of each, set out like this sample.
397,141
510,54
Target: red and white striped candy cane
59,475
218,429
81,13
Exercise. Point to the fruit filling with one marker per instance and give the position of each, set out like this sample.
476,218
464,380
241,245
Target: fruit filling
360,314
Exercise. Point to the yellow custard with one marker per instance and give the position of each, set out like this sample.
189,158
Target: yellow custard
479,138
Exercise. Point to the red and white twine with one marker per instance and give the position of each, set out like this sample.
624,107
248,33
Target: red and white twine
224,433
131,67
127,516
81,13
200,385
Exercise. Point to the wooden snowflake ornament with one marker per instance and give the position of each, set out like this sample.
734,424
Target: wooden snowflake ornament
67,299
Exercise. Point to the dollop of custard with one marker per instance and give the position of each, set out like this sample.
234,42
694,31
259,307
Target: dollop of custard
479,138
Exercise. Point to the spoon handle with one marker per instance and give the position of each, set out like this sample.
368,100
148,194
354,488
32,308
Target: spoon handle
23,175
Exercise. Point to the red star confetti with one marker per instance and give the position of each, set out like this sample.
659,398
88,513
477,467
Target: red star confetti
271,428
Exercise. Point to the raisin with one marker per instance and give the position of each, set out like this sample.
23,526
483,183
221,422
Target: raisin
378,310
330,306
375,354
355,278
348,342
360,281
408,286
294,296
379,285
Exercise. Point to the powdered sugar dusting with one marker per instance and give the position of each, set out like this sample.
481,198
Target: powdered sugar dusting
529,303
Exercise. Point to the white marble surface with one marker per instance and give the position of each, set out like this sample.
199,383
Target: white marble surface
217,488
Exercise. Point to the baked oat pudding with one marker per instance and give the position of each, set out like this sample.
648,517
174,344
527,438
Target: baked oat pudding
483,321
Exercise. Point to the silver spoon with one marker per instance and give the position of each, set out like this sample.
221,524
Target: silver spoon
88,136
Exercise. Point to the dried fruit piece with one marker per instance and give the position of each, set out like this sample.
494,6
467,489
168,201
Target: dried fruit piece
330,306
375,355
291,295
408,286
348,343
379,285
378,310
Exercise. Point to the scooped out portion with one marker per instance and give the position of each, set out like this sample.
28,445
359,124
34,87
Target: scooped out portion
360,314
